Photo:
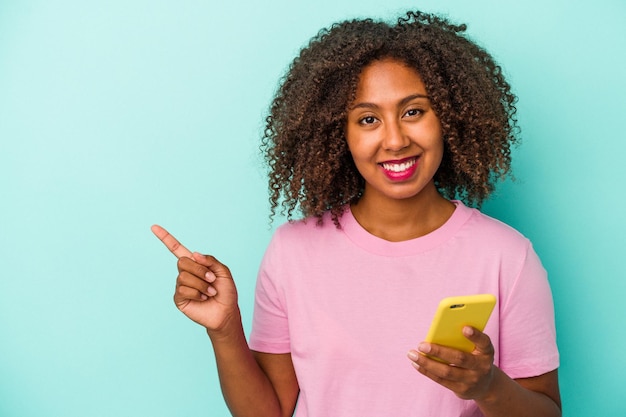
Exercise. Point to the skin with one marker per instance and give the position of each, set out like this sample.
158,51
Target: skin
389,122
475,377
253,383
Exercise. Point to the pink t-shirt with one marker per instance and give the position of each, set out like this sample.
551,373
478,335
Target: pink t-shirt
349,306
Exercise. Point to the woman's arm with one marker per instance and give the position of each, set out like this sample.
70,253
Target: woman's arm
206,293
279,370
256,387
473,376
253,383
537,396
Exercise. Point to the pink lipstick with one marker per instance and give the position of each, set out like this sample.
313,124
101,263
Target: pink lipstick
400,170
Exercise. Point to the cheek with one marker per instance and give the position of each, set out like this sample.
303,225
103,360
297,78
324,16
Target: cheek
439,146
438,156
358,147
361,156
436,139
436,150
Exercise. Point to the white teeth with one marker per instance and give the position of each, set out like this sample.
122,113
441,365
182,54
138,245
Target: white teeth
399,167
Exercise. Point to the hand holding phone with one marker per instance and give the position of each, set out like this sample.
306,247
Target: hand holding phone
454,313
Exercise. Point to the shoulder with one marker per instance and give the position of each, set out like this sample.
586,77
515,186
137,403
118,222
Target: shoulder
308,227
489,231
297,234
300,245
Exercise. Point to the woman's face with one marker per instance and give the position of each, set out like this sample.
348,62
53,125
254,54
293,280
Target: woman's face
393,134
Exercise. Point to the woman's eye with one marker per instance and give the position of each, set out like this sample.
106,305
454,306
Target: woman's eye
368,120
413,112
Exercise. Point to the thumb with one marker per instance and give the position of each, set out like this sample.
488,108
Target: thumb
482,342
218,268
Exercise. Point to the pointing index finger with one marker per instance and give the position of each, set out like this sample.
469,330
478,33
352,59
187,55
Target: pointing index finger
170,242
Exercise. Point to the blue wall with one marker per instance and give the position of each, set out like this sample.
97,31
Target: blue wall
117,115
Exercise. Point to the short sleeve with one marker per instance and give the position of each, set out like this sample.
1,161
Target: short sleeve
527,331
270,327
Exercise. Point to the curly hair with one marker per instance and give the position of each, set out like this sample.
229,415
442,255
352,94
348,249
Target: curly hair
311,168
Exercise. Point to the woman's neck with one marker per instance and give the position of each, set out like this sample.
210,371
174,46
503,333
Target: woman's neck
398,220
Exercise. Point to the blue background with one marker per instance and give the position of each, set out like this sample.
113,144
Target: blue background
117,115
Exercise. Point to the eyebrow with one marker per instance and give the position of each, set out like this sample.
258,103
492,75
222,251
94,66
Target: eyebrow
402,102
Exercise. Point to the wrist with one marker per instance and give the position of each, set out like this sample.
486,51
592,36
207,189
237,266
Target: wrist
231,328
490,395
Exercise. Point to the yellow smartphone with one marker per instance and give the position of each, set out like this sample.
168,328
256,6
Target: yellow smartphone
454,313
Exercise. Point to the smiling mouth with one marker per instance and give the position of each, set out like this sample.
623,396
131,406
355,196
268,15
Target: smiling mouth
399,166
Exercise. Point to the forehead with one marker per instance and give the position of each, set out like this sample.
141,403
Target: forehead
387,79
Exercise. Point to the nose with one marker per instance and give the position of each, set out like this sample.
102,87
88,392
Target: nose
395,139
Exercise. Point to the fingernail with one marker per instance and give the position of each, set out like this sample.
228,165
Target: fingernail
468,331
413,355
424,347
211,291
210,276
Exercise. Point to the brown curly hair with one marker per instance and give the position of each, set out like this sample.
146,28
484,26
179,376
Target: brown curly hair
311,168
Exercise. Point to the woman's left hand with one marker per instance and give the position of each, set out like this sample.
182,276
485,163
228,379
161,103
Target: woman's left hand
468,375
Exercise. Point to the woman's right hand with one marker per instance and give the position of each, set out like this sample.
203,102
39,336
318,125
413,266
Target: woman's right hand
205,290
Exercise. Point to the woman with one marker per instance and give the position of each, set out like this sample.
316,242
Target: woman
377,134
